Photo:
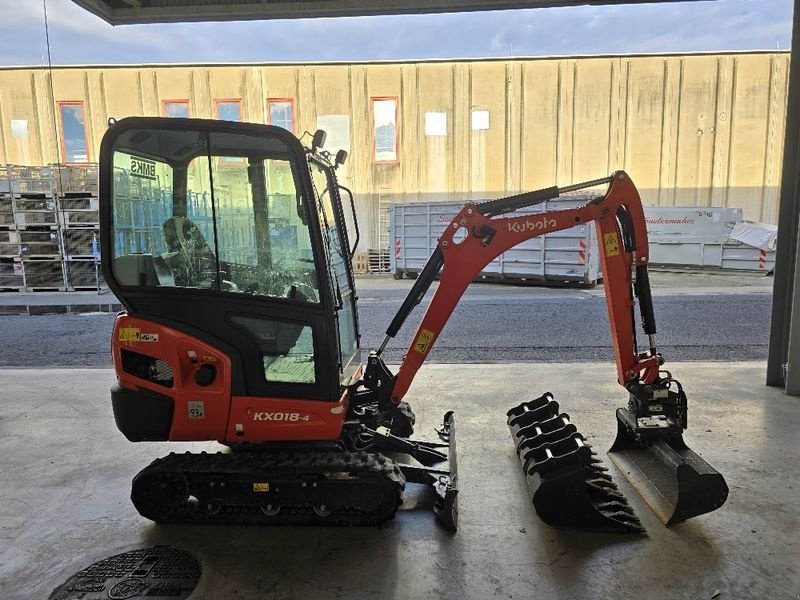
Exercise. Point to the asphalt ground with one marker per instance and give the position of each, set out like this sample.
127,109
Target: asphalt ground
700,316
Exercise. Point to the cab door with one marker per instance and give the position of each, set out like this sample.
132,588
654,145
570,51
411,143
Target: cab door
335,240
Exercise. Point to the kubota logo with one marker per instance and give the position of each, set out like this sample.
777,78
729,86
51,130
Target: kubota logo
279,416
531,225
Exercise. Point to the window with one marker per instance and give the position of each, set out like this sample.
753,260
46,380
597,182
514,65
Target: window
480,120
436,124
74,143
228,110
240,230
175,108
280,112
384,129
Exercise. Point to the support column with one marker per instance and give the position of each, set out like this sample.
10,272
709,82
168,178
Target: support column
784,339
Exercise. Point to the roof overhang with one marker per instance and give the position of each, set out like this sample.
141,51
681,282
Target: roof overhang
130,12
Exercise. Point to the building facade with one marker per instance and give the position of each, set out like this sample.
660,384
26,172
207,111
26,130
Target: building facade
692,130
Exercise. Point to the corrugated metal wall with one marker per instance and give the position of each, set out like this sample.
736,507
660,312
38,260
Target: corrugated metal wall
697,130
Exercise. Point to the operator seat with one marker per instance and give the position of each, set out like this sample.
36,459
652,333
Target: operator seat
188,254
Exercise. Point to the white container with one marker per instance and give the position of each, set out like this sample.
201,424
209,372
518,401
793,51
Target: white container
564,256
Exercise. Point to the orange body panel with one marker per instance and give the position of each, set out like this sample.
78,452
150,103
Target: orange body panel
218,416
283,419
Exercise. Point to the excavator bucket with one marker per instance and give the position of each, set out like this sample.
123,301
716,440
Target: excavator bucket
570,487
674,481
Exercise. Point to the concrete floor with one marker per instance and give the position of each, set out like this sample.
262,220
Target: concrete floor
66,472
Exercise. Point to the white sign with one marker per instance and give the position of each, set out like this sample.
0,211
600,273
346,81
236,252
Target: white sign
19,128
480,120
435,123
140,167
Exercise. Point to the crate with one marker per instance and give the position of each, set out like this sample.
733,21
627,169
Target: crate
37,187
29,172
11,274
78,218
75,203
39,243
30,204
9,243
77,180
79,242
378,261
35,219
361,263
7,219
43,274
83,275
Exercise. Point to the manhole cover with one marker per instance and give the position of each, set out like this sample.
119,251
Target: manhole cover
154,573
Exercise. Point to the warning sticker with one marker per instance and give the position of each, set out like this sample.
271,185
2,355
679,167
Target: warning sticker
611,242
423,341
260,487
129,334
148,337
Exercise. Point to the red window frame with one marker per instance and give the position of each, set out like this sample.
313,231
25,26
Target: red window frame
372,101
282,100
62,141
222,161
218,101
175,101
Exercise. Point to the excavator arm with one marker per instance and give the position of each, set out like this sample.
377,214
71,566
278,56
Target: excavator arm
570,489
478,234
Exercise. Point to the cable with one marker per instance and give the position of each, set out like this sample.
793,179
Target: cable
68,272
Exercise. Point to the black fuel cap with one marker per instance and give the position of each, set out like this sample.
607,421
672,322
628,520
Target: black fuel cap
205,375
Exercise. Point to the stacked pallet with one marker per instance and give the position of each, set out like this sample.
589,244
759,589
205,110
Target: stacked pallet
79,224
48,227
361,263
31,247
10,262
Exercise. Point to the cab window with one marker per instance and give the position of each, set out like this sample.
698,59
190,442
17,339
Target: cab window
217,211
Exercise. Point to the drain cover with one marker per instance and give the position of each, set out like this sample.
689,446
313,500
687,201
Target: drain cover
158,573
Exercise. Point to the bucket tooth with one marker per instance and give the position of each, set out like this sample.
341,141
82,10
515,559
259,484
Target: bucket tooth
674,481
569,485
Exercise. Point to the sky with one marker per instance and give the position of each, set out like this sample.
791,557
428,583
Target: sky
78,37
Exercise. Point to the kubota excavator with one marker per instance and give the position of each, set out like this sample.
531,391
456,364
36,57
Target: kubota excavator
228,246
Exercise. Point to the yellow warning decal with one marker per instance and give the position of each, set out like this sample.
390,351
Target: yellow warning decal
129,334
423,341
611,242
260,487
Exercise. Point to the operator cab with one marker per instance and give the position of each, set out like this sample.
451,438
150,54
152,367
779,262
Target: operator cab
233,233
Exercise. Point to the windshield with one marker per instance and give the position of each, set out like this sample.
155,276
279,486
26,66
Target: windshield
216,211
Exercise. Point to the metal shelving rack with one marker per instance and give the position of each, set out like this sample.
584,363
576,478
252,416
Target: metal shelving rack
49,225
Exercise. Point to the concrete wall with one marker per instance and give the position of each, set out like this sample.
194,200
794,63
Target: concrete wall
698,130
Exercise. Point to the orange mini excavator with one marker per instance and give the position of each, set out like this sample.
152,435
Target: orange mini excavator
228,245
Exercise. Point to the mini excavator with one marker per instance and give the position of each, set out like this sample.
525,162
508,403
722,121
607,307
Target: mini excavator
229,247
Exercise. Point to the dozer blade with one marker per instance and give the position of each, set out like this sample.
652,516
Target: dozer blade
430,463
674,481
569,485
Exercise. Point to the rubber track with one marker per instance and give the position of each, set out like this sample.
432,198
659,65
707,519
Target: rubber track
181,469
